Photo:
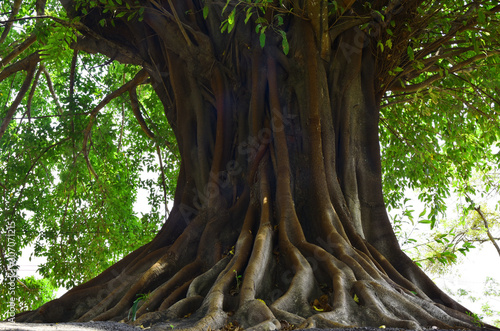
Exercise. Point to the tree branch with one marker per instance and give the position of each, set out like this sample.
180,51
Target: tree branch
140,77
18,50
477,88
32,93
457,26
462,66
176,19
22,91
23,64
15,10
51,89
485,222
25,180
134,102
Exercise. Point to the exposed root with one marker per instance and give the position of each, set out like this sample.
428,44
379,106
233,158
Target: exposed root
273,278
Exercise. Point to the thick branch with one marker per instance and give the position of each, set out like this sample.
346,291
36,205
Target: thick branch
23,64
96,44
18,50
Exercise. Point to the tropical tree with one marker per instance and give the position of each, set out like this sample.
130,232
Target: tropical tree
278,215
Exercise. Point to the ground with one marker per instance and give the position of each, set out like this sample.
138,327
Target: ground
115,326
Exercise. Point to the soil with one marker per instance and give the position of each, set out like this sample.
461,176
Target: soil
88,326
115,326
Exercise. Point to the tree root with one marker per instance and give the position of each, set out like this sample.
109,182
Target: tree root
274,273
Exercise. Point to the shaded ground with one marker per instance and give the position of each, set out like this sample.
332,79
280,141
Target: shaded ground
88,326
115,326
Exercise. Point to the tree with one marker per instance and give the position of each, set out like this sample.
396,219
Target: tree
31,294
474,224
278,214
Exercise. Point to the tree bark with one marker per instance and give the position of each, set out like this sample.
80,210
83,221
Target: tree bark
279,213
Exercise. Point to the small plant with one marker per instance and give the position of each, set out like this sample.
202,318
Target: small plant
238,280
133,310
476,319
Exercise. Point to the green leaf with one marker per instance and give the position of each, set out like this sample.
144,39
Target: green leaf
133,310
280,19
379,14
231,20
410,53
248,15
261,20
205,11
481,17
380,45
364,26
262,39
284,42
224,26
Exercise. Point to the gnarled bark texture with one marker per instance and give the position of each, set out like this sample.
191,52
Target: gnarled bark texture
279,215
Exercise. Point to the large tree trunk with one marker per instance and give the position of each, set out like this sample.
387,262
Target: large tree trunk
279,215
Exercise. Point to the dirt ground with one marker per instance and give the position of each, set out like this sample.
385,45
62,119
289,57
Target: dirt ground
115,326
89,326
